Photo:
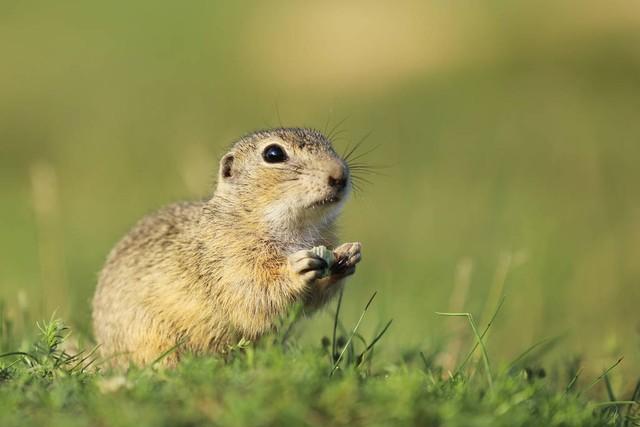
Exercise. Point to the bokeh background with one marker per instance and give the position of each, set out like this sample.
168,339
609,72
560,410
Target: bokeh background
508,132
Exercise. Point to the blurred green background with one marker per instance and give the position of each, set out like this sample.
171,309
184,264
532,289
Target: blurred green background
510,130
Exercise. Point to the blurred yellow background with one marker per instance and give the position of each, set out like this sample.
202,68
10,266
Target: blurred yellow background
510,132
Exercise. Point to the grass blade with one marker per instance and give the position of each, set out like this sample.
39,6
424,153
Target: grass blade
546,344
610,393
634,397
360,358
335,324
290,322
19,353
474,328
169,351
85,358
486,329
573,381
615,403
355,329
427,365
604,374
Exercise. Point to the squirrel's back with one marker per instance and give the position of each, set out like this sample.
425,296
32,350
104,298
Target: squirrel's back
157,252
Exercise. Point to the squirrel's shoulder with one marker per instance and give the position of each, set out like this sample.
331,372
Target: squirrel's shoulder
171,218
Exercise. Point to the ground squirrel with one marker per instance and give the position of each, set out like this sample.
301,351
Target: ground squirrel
207,274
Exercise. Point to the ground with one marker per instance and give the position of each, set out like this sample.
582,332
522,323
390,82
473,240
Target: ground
278,382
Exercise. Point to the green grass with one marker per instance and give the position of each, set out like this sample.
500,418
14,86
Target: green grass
278,382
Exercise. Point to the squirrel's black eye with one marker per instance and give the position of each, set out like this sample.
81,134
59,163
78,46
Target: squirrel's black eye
274,154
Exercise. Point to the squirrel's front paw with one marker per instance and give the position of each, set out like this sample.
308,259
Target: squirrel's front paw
347,256
307,265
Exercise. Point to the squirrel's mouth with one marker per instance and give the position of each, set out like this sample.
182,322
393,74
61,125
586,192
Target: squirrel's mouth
326,201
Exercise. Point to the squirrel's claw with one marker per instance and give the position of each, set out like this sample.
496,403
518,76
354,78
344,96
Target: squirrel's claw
347,256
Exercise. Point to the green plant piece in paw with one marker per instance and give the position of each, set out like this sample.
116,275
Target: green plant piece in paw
327,256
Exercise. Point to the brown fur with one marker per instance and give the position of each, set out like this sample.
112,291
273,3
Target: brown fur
209,273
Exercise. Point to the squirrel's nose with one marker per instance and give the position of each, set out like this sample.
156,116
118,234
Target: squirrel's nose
337,183
338,178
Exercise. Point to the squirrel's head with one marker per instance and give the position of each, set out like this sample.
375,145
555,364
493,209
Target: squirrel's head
286,177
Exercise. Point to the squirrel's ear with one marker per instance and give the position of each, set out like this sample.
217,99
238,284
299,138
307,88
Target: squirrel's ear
226,167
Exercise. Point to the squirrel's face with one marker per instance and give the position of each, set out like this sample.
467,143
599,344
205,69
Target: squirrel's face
286,177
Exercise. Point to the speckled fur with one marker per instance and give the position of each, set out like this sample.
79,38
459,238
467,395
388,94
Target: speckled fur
209,273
